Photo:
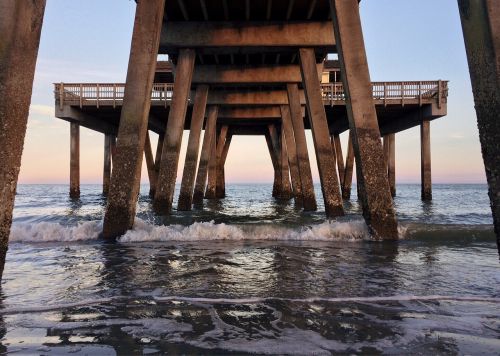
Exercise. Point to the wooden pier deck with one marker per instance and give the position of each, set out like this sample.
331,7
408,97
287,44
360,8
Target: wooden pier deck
399,105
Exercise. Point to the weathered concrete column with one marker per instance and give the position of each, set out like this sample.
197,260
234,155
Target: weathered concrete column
337,148
481,28
425,159
106,173
319,127
390,156
221,179
212,167
150,163
274,161
173,135
74,161
349,167
20,27
378,209
159,149
188,176
309,199
286,124
125,179
286,191
201,176
276,149
219,176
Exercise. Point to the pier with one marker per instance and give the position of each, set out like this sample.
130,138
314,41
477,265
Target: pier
251,111
246,68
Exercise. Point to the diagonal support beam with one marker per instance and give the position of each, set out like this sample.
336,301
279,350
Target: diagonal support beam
378,209
201,176
349,170
152,175
319,127
125,179
286,122
188,177
309,199
173,134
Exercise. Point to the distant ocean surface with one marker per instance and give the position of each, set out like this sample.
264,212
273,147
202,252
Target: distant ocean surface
251,274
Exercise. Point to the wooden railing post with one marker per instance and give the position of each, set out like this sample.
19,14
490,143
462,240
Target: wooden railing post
440,93
420,93
385,94
81,95
97,95
61,95
402,94
114,96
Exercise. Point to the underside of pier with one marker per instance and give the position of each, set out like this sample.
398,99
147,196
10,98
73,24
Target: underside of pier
252,68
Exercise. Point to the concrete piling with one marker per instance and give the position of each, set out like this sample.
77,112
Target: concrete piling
210,193
348,172
221,144
309,199
425,160
221,177
173,135
286,190
286,124
378,209
106,173
276,149
150,163
189,174
20,28
481,28
390,158
201,176
337,149
159,149
125,178
274,161
74,165
319,127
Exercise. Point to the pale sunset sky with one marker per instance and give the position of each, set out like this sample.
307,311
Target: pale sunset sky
405,40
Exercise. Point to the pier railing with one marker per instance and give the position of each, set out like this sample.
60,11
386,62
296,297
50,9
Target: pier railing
393,93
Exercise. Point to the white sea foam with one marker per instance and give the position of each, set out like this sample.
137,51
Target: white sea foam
328,231
53,232
145,232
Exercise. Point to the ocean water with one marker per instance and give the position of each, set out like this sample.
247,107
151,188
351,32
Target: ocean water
251,274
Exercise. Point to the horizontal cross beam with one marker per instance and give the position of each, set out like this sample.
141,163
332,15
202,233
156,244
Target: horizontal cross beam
267,112
250,97
264,74
246,34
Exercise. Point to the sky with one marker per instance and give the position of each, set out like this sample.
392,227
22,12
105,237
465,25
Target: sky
405,40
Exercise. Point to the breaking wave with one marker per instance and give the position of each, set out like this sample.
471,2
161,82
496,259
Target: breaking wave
145,232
